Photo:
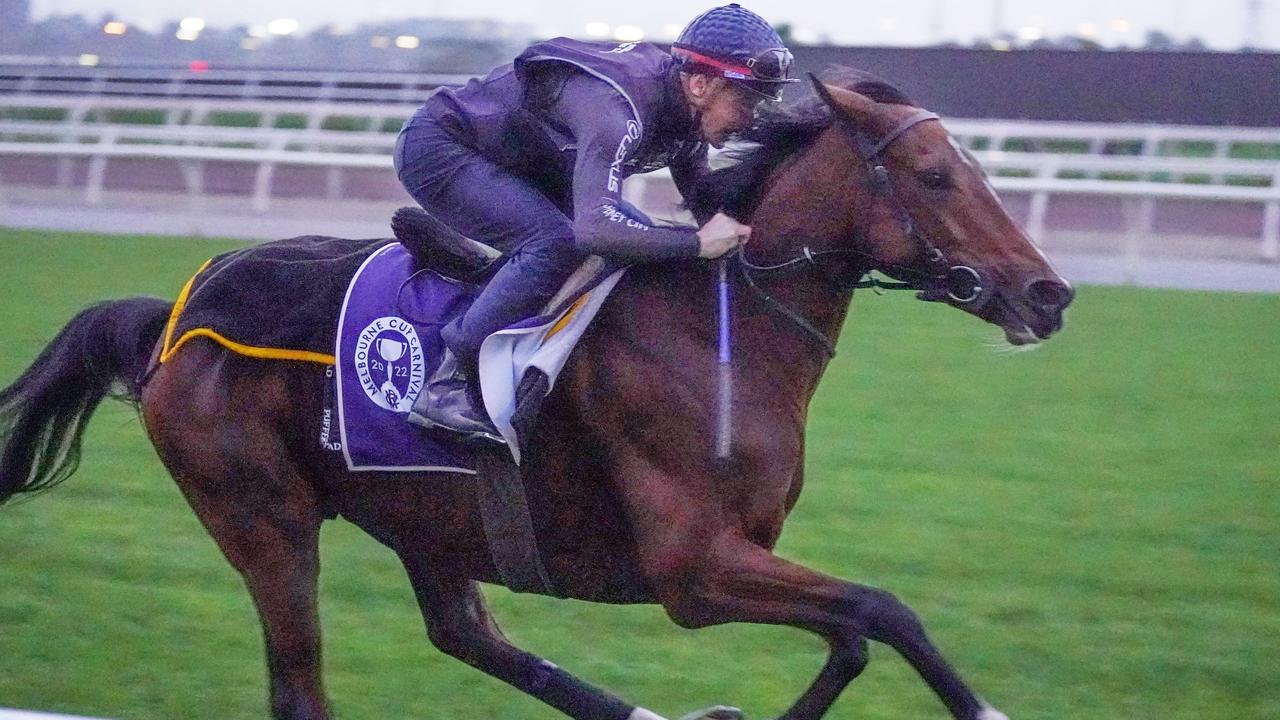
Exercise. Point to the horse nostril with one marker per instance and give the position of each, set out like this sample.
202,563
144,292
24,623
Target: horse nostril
1049,296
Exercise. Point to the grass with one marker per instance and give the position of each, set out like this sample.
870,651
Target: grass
1089,530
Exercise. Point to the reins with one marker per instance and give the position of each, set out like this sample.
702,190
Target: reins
939,280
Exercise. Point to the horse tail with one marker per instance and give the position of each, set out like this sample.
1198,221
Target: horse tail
43,414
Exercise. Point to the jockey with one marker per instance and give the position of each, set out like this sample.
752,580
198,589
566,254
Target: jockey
531,158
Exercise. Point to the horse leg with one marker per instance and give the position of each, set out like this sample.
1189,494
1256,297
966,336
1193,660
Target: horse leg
459,624
734,580
235,471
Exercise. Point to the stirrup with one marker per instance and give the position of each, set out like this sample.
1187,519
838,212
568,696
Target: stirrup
448,403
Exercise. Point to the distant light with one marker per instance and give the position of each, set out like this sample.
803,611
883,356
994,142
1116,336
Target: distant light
258,31
408,42
282,26
380,41
1087,30
628,33
1030,33
249,43
672,30
115,27
1001,45
597,29
187,34
191,24
341,29
88,60
1121,25
198,66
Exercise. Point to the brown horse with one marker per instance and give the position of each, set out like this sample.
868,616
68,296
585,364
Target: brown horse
635,507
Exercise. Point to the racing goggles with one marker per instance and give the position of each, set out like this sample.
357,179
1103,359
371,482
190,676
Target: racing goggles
764,75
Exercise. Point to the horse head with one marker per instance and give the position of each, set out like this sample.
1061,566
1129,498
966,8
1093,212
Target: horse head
953,240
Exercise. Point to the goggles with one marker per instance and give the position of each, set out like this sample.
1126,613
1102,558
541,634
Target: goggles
765,74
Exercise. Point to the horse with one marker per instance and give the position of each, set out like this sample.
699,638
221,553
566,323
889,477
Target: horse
638,509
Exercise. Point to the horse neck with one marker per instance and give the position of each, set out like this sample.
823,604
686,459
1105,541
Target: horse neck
814,200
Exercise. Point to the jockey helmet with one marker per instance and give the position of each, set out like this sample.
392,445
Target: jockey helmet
732,42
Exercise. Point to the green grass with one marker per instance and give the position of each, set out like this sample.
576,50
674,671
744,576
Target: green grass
1090,530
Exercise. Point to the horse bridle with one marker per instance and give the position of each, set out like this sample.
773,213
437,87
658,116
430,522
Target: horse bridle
937,280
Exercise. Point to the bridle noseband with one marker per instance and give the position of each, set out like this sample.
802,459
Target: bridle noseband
935,279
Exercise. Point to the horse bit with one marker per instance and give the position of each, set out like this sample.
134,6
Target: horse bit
940,281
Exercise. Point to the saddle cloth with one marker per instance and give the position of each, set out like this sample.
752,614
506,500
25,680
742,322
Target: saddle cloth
388,344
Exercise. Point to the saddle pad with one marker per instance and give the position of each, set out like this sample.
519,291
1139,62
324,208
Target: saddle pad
388,343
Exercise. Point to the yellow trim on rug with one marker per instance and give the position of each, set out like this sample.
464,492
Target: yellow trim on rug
250,350
170,348
178,307
564,319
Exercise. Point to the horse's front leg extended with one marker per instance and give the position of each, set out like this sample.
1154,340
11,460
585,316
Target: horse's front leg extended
459,624
734,580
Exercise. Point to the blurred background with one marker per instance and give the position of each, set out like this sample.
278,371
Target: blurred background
1143,133
1090,530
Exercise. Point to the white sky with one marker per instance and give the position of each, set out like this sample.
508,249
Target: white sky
1220,23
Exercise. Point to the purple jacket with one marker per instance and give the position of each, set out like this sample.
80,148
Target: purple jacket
576,119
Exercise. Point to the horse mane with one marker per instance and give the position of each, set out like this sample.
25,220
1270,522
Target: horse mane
777,135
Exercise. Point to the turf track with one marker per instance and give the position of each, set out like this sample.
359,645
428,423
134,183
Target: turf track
1091,530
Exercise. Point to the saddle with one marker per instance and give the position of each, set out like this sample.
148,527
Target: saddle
436,246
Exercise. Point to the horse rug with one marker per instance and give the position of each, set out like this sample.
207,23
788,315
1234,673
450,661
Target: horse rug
271,301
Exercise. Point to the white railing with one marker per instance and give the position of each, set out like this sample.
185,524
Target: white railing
361,87
1241,181
190,136
202,112
996,134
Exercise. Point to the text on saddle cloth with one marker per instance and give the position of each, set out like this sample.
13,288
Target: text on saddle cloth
388,343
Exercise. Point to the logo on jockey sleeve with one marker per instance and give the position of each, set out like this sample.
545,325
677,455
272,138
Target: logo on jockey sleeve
620,155
390,363
624,47
615,214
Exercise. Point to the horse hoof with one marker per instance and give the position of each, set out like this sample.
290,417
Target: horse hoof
719,712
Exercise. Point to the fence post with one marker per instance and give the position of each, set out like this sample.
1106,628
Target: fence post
1040,202
98,168
93,185
1271,231
262,186
1141,218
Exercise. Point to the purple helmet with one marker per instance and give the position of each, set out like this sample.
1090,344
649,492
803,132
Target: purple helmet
735,43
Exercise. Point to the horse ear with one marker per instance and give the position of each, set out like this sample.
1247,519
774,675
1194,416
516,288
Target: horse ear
846,102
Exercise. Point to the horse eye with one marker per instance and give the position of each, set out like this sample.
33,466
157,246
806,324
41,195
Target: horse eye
935,180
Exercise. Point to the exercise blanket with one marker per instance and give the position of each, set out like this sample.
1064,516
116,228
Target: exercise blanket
360,306
276,300
389,343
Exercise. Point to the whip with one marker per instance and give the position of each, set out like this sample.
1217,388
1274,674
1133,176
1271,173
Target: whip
724,399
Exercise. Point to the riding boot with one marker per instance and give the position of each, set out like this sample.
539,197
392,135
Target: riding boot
451,401
524,284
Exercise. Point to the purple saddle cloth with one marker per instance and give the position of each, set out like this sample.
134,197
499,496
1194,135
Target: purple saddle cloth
388,344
